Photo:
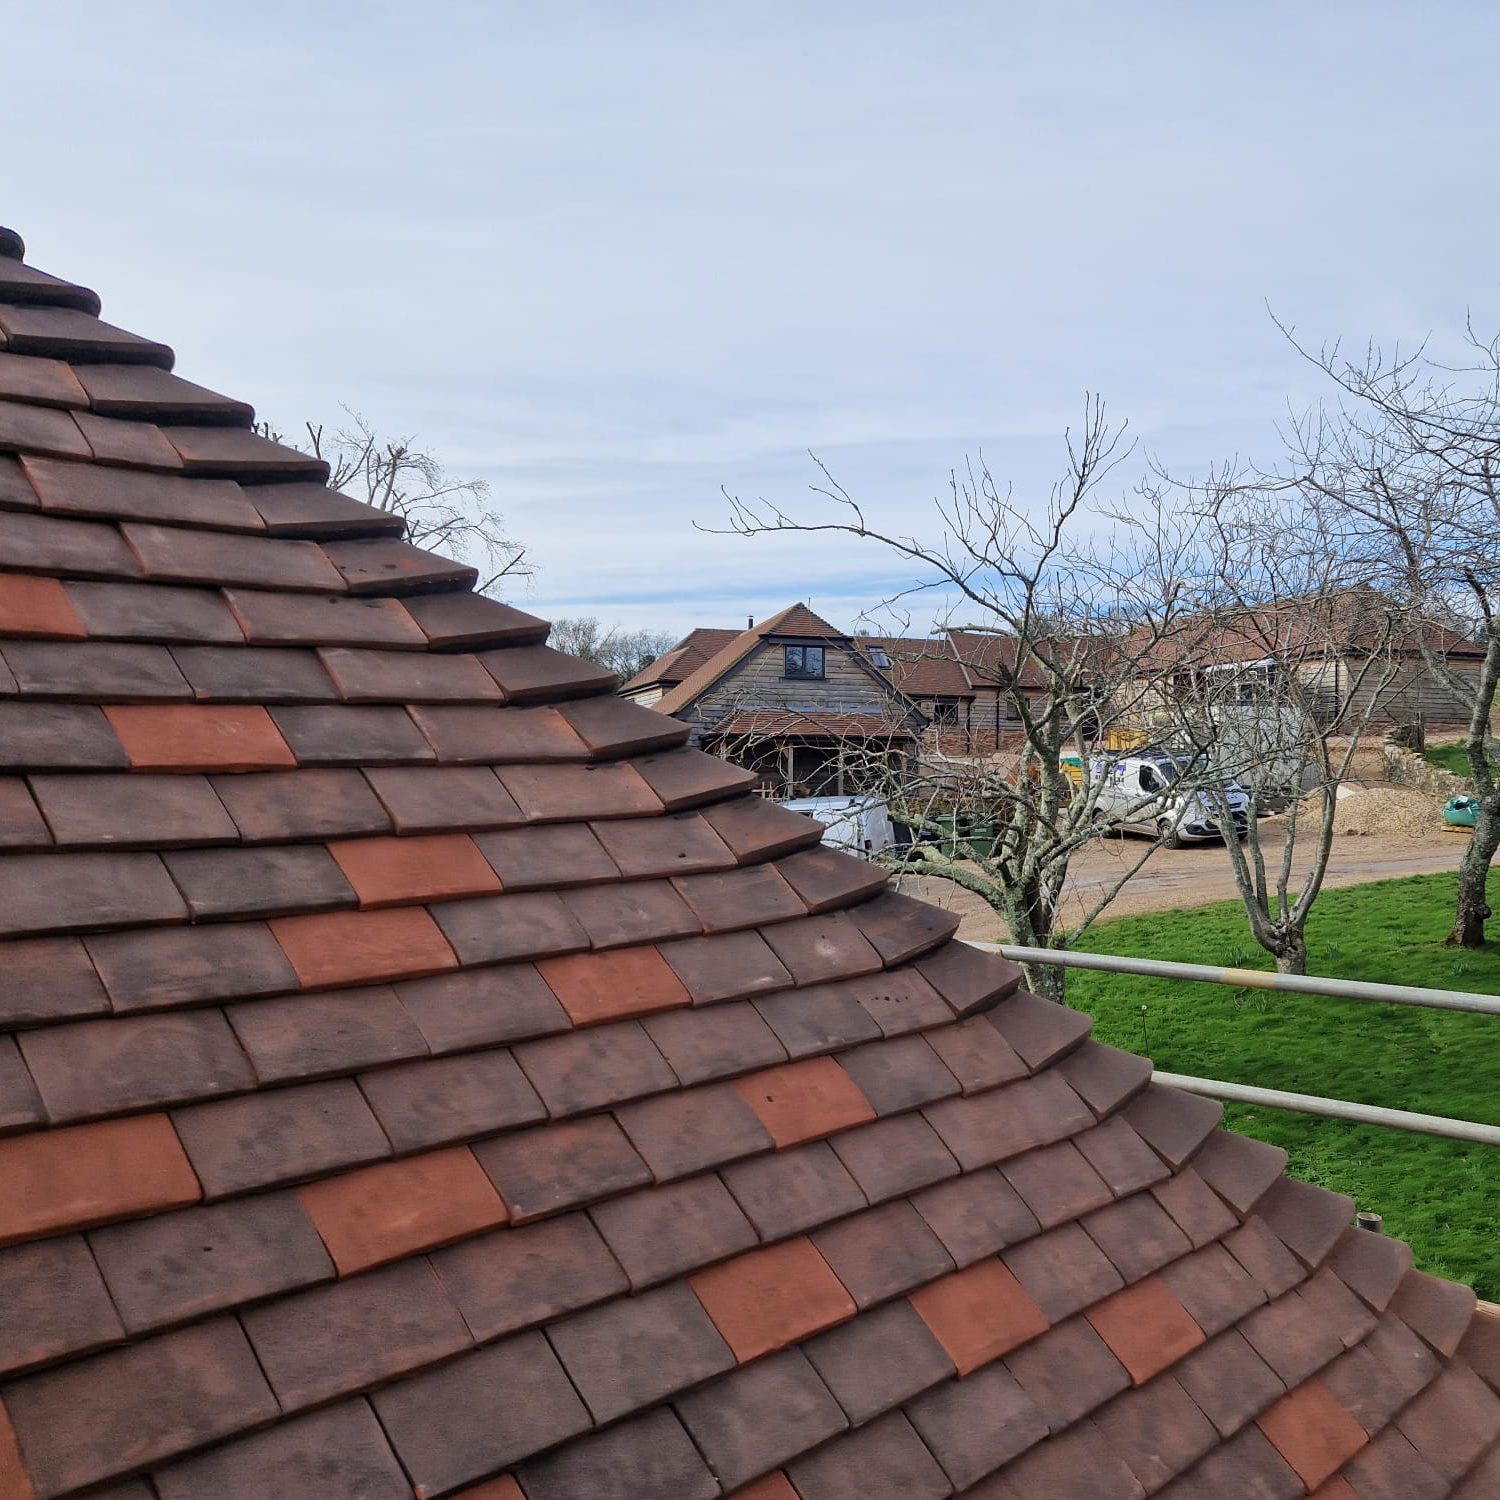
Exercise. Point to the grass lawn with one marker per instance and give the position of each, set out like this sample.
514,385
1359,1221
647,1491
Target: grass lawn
1442,1197
1449,758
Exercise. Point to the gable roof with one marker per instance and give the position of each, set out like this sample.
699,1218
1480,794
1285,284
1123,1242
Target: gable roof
419,1075
685,657
794,620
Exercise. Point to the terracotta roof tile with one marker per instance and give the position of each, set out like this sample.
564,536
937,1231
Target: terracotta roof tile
1312,1432
597,984
768,1299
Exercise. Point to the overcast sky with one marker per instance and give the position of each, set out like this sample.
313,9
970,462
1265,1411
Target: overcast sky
614,257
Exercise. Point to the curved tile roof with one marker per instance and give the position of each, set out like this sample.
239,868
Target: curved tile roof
419,1074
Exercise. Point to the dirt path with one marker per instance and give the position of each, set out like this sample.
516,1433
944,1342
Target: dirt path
1199,875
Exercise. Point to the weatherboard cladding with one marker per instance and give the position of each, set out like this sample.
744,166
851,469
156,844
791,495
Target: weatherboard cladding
419,1074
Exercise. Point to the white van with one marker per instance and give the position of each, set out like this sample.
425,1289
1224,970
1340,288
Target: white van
858,825
1136,792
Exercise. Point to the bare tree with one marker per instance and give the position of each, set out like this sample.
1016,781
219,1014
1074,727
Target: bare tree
624,652
1406,467
1084,604
396,475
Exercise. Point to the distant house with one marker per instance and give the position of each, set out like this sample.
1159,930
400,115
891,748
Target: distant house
799,702
803,702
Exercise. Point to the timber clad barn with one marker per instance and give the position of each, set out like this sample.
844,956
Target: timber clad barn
421,1075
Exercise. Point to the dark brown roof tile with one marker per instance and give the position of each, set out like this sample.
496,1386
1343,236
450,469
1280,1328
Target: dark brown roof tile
127,810
21,822
1173,1123
268,882
469,733
1229,1381
973,1426
1437,1311
689,778
93,1068
278,805
1363,1385
238,453
979,1313
1138,1236
1158,1431
52,979
610,726
146,391
1239,1169
894,1156
1057,1184
563,854
433,1102
569,793
1120,1156
901,929
588,1070
886,1456
1200,1215
658,1233
339,1339
340,1450
967,979
339,736
302,508
58,737
27,285
1308,1220
173,554
635,911
200,1260
279,1136
101,1416
735,899
785,1193
390,1210
20,1104
41,893
94,670
518,1277
1040,1031
826,879
756,829
988,1128
882,1252
1453,1422
41,382
278,675
73,549
1391,1469
69,489
976,1054
145,970
531,674
55,1303
755,1419
458,621
674,845
312,1036
1216,1290
897,1075
39,429
282,619
701,1046
1247,1463
600,1350
878,1360
703,1127
727,966
1063,1271
821,948
1293,1337
1104,1077
818,1018
138,445
389,566
1369,1264
977,1215
767,1299
649,1455
155,612
480,1007
549,1168
479,1413
406,676
1068,1372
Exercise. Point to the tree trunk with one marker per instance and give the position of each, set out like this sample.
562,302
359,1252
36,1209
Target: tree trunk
1291,952
1473,876
1030,923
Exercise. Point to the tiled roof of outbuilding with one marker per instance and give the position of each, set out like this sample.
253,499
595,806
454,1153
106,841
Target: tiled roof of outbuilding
421,1075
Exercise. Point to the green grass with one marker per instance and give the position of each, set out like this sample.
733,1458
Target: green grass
1448,758
1442,1197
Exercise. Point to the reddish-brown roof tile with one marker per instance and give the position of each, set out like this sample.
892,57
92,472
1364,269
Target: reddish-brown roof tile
596,987
360,947
979,1313
1312,1432
770,1298
1147,1328
31,606
174,738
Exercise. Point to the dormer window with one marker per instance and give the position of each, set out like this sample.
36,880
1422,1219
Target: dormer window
880,657
803,661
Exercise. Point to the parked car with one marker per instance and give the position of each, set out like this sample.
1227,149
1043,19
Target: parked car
858,825
1142,793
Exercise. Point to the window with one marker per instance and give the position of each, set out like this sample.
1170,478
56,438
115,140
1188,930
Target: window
804,661
942,712
880,657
